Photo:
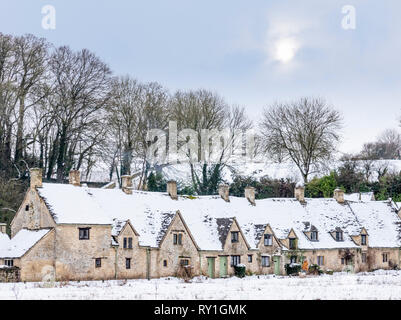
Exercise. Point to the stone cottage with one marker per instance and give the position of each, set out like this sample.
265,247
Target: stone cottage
72,232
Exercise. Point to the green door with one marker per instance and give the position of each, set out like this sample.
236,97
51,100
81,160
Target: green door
210,267
276,265
223,267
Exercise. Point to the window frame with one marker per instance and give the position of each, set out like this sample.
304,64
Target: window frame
165,263
234,236
98,263
293,258
363,240
264,259
314,233
341,236
250,258
184,262
269,237
385,257
320,260
83,236
292,241
234,259
128,263
364,257
9,262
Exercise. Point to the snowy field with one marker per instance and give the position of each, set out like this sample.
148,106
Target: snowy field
377,285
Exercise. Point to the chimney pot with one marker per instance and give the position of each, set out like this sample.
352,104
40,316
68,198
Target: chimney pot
339,195
126,184
250,195
224,191
36,177
172,189
74,178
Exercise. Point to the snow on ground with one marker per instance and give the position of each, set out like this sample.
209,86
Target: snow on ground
376,285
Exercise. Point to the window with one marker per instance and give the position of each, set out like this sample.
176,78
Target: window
184,262
313,236
320,260
268,239
293,259
84,233
164,263
27,207
235,260
127,263
385,257
293,243
342,261
128,243
364,257
339,235
363,240
177,238
98,262
234,236
9,262
249,258
265,261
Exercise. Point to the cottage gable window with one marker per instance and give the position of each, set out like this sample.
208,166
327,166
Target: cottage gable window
339,236
320,260
128,243
234,236
177,239
363,239
84,233
292,243
268,239
9,262
265,261
127,263
313,236
235,260
98,262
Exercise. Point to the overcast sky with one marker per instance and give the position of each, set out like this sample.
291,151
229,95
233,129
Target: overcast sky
252,52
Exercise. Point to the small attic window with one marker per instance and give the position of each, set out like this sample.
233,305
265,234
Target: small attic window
268,239
363,239
234,236
293,243
314,236
339,236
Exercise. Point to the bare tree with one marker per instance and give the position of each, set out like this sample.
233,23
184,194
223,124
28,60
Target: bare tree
304,131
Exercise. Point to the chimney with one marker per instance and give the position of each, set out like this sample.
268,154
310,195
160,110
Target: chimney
172,189
3,228
250,195
300,192
339,195
126,184
74,178
224,191
36,177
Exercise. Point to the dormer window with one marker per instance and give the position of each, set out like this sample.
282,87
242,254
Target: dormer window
177,239
292,243
268,239
234,236
339,236
363,239
313,236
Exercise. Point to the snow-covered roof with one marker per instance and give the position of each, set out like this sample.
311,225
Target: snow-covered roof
209,217
21,243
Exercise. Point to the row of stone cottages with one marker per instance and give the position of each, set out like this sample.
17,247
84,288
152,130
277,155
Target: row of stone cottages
72,232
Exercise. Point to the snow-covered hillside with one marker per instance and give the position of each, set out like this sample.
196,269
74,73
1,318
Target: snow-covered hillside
377,285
